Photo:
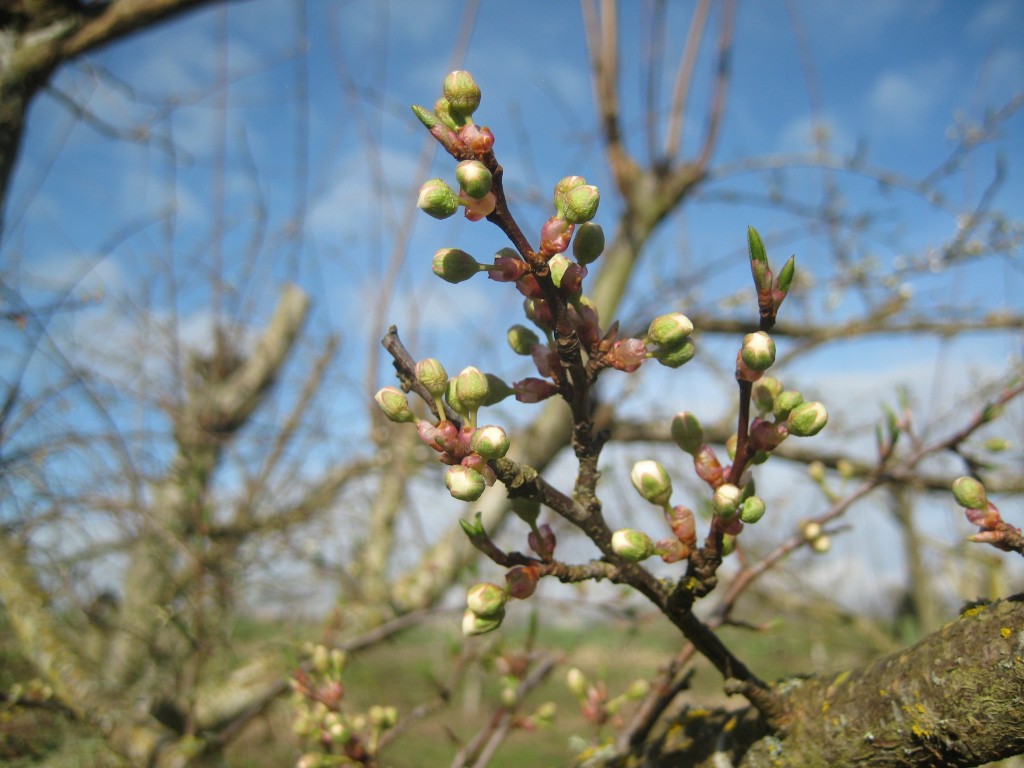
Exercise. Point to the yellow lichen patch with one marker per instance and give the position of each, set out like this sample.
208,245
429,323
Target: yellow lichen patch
920,732
1005,632
974,611
882,692
824,707
841,678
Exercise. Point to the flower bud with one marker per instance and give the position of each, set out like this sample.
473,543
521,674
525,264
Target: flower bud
758,351
588,243
684,526
669,330
811,530
395,405
454,266
475,625
464,484
558,264
821,544
474,178
461,92
765,390
707,466
555,236
807,419
580,204
490,442
577,683
969,493
752,509
486,600
478,209
543,541
497,390
816,470
521,581
786,402
632,545
651,481
563,188
730,445
674,357
637,690
522,339
726,501
687,432
471,386
384,718
433,376
437,199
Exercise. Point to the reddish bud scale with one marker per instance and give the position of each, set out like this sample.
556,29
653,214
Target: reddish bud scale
672,550
571,284
544,358
478,139
583,319
507,269
522,581
543,541
683,524
707,467
529,287
765,436
555,236
534,390
627,355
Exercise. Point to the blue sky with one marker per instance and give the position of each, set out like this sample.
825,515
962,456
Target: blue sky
305,165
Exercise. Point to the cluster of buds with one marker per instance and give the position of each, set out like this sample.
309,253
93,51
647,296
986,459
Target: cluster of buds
333,737
781,413
596,705
35,691
815,536
771,290
992,529
485,602
465,450
652,482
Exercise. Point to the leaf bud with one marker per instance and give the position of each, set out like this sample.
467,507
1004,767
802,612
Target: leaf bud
464,484
522,339
726,501
807,419
669,330
437,199
486,600
443,112
651,481
752,509
970,493
687,432
785,402
490,442
473,625
474,178
785,278
588,243
395,405
632,545
454,265
581,203
433,376
461,92
758,351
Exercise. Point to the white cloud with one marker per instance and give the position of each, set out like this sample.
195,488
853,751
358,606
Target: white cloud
900,101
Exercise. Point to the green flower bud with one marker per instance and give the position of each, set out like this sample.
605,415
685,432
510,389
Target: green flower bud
821,544
632,545
490,442
577,683
997,444
816,471
969,493
455,266
588,242
471,386
486,600
728,544
451,396
497,390
765,390
687,432
463,483
462,92
637,690
730,445
651,481
752,509
395,405
758,351
383,718
474,178
674,357
475,625
562,189
786,402
558,264
581,204
669,330
807,419
433,376
522,339
437,199
726,501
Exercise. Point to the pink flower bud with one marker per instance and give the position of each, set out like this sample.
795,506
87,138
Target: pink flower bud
555,236
508,267
706,465
683,524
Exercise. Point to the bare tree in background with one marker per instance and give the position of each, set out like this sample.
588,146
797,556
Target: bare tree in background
204,482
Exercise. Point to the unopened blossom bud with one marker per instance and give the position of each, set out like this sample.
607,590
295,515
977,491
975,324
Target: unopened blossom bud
752,509
473,625
816,471
632,545
687,432
451,396
522,339
497,390
811,530
707,466
807,419
464,484
486,600
490,442
542,540
997,444
462,92
651,481
670,329
521,581
474,178
726,501
677,355
471,387
544,715
383,718
758,351
730,445
437,199
577,683
785,402
454,265
588,243
969,493
821,544
581,203
508,267
764,392
395,405
558,264
433,376
562,189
